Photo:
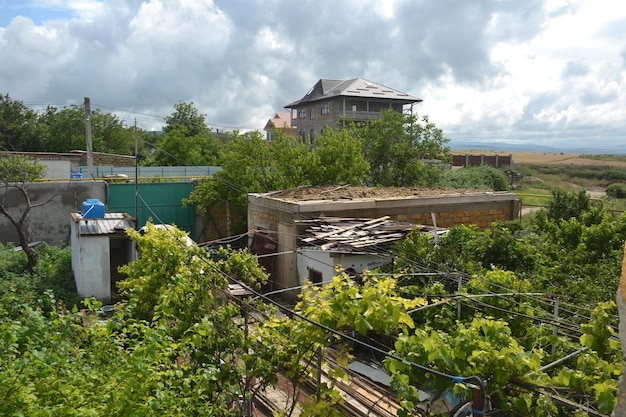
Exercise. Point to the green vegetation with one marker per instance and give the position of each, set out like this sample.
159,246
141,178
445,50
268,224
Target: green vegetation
175,346
16,172
53,274
475,303
482,177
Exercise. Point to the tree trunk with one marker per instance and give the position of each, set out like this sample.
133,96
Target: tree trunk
31,254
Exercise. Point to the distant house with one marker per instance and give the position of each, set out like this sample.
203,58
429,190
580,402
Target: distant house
331,102
279,121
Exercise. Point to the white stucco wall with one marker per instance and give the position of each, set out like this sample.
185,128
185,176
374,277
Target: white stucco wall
326,262
90,263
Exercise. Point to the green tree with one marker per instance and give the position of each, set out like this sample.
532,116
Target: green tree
250,165
16,172
396,146
337,159
176,147
18,126
186,118
64,131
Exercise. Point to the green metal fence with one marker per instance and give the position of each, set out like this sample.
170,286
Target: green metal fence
161,202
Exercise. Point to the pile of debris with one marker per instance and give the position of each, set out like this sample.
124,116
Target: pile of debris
356,233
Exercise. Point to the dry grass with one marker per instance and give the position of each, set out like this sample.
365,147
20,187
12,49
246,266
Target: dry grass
549,158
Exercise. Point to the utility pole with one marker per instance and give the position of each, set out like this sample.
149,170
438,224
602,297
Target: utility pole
88,136
136,177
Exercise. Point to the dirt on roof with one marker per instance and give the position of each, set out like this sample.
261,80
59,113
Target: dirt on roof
351,193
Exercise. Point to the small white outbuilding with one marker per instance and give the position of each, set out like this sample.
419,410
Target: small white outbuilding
99,247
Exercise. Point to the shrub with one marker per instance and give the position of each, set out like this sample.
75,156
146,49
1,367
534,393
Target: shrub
616,190
483,177
52,273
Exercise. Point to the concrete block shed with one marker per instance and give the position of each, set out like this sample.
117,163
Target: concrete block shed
277,213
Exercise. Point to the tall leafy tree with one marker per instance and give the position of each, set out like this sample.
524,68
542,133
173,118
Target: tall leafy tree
186,118
396,146
177,148
64,131
338,159
18,126
251,165
247,167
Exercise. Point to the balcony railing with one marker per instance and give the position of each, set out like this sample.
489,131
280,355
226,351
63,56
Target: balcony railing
357,115
351,115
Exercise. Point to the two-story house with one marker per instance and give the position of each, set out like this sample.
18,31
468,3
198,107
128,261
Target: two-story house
330,103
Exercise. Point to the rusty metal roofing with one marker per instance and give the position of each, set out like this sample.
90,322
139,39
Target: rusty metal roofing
112,223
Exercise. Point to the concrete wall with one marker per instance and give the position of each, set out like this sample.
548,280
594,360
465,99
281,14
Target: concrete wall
51,222
325,262
276,215
90,263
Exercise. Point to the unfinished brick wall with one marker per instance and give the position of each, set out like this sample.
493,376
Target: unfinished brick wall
481,218
222,221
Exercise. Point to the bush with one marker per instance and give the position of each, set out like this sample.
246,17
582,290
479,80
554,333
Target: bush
52,273
566,205
617,190
483,177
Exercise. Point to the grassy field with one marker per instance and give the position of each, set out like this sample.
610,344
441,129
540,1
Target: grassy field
545,172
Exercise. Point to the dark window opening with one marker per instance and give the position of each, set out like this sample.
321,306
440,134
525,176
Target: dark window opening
315,276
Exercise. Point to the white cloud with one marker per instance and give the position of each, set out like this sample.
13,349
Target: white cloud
551,69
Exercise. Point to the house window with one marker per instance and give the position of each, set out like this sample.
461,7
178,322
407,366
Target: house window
325,108
312,136
315,276
312,112
354,107
302,113
302,135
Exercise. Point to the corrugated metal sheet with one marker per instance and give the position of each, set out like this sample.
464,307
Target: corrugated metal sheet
161,202
113,223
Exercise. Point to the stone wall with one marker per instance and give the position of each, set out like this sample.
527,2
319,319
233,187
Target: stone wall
51,221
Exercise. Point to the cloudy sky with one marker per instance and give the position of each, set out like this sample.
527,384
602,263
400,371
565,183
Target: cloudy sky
543,71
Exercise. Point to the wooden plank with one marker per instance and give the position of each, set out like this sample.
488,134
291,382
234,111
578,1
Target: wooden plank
354,226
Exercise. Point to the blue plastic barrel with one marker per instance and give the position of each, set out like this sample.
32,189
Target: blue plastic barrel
93,209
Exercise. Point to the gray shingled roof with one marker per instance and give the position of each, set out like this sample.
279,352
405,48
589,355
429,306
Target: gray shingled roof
356,87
